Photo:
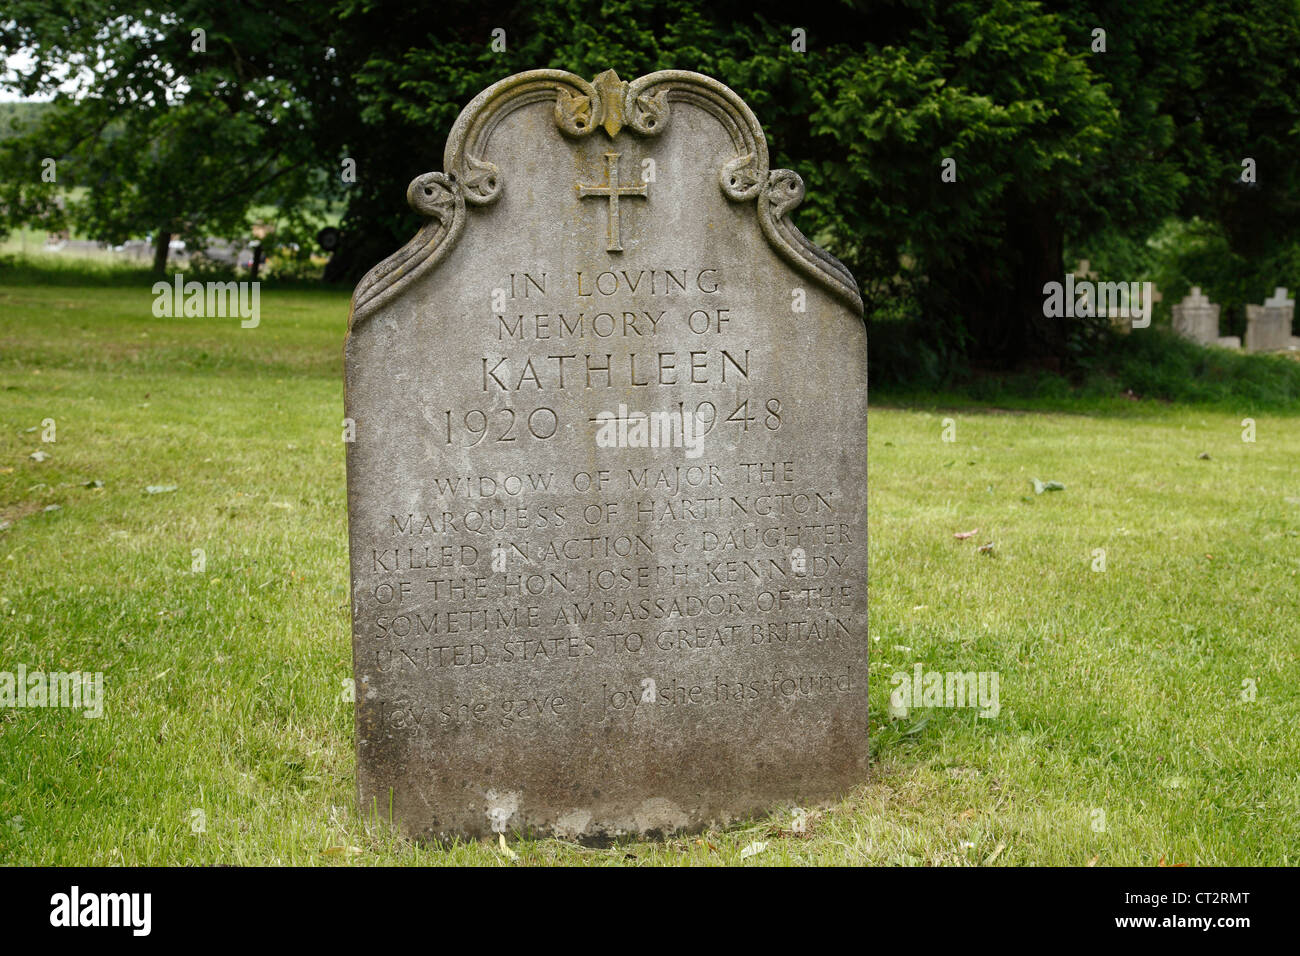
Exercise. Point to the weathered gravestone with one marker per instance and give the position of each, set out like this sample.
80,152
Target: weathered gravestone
1196,318
607,493
1268,327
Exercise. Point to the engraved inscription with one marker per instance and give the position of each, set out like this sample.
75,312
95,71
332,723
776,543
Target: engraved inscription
606,507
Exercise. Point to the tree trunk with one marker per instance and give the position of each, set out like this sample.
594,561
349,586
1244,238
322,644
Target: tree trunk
160,250
1007,324
1042,250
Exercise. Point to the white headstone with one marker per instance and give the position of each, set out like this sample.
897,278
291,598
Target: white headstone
1268,327
1196,318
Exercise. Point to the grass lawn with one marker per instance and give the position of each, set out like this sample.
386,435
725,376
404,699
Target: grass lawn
1125,734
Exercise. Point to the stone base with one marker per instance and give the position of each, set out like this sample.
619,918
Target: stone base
1227,342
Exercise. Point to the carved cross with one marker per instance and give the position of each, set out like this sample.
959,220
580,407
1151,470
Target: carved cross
1279,300
612,190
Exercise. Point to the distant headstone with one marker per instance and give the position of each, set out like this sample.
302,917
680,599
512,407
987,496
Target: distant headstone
1268,327
1196,318
607,481
1113,300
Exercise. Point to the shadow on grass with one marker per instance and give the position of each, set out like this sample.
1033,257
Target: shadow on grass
49,270
1128,375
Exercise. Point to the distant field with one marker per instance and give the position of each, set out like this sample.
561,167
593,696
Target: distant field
1147,710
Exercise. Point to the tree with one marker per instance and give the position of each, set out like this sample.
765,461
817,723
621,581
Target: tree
954,151
181,121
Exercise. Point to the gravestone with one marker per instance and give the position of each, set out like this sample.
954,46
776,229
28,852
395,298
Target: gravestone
1268,327
608,481
1112,299
1196,318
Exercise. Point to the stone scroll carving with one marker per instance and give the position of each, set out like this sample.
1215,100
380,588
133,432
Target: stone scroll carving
605,106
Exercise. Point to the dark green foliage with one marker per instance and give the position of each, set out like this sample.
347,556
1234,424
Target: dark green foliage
1057,146
1150,364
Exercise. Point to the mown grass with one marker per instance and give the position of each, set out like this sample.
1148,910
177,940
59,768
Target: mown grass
1123,736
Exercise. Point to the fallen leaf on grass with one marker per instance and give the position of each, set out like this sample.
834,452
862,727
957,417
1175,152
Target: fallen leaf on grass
1093,861
897,709
508,853
39,456
997,852
343,850
985,548
753,849
1041,486
963,535
1203,456
159,489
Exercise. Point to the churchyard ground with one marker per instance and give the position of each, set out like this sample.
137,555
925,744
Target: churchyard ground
1147,697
